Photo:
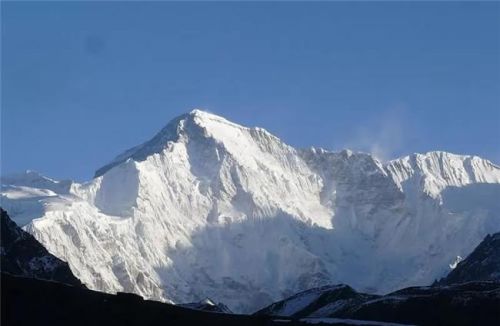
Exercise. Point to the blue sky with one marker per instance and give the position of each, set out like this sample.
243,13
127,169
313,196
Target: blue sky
81,82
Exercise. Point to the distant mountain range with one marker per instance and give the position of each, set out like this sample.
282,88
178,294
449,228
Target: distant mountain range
209,208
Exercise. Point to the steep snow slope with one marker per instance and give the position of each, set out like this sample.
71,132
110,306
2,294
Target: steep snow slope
208,208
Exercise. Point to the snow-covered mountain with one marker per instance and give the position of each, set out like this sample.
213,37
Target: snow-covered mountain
209,208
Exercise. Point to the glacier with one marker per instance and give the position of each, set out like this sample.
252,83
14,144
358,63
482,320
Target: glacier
210,208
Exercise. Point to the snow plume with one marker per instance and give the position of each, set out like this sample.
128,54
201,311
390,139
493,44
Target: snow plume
384,137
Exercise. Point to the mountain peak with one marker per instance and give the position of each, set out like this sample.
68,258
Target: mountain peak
193,125
203,114
209,121
183,124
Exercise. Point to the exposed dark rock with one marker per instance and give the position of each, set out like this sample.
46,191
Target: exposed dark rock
483,264
28,301
21,254
474,303
305,303
207,305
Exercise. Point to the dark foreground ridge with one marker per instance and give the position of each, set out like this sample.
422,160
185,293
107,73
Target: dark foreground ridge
474,303
28,301
207,305
482,264
21,254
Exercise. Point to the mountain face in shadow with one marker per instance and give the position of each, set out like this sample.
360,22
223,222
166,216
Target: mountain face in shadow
21,254
470,294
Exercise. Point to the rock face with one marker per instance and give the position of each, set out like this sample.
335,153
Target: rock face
21,254
483,264
209,208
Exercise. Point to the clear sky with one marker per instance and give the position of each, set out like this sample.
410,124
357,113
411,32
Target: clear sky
81,82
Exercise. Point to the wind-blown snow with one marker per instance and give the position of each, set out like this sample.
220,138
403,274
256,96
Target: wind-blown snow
208,208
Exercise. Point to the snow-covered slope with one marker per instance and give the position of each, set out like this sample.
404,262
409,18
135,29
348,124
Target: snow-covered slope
208,208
